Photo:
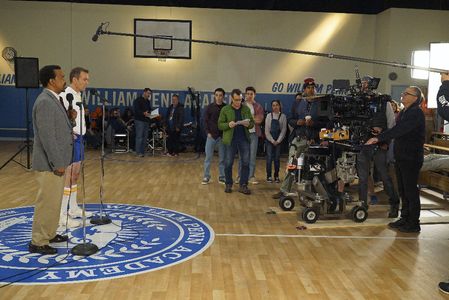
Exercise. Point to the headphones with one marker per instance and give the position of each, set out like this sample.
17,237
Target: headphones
420,98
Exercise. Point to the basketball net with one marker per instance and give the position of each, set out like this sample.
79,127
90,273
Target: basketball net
161,54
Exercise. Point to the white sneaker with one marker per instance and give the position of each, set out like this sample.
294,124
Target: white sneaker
253,180
78,213
205,180
71,223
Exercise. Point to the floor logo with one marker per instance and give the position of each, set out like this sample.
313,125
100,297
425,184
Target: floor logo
139,239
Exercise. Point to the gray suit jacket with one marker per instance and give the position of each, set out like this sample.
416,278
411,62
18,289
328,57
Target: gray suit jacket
53,139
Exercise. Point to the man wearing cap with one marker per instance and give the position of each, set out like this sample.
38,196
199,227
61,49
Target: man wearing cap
408,135
306,125
382,120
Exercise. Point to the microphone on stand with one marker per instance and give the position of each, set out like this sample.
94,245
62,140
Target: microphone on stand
102,218
69,98
85,248
81,104
72,118
358,81
96,93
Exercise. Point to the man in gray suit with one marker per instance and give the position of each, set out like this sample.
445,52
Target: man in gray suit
52,153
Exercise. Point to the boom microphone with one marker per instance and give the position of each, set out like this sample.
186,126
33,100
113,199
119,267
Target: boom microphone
98,32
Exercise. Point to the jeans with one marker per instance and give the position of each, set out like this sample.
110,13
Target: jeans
211,144
273,154
407,173
253,143
297,146
379,156
242,148
142,128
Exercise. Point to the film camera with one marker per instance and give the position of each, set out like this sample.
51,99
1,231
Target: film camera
350,113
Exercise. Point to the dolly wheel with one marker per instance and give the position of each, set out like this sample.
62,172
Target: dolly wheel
286,203
310,215
359,214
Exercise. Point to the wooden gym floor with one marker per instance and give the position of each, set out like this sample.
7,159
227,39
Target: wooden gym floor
255,255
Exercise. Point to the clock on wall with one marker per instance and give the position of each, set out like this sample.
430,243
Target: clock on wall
9,53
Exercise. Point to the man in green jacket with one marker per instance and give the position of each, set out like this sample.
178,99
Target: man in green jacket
234,121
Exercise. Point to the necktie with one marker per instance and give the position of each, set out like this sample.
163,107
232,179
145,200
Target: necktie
62,103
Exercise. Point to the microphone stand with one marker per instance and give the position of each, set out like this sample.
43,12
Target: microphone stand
83,249
102,218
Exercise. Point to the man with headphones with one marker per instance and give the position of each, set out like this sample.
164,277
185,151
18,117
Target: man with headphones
408,134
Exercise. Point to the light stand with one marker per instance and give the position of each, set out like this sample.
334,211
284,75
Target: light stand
83,249
102,218
27,141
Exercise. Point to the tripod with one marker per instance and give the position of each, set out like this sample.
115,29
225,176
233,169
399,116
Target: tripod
27,140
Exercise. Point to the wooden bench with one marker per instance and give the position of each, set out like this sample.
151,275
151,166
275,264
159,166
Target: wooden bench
435,179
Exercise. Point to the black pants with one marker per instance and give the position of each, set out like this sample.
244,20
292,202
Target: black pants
173,142
407,173
364,158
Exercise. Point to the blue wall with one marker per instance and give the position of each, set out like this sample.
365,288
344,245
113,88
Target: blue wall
12,103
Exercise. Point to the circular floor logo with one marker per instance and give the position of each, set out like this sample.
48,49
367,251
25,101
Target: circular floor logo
139,239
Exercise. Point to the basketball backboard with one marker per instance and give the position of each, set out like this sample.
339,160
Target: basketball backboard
163,32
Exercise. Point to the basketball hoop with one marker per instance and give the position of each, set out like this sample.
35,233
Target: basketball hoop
161,54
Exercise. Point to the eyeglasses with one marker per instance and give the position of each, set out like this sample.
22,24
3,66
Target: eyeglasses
407,93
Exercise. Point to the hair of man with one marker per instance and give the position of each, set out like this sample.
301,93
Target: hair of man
236,92
220,90
47,73
76,72
250,88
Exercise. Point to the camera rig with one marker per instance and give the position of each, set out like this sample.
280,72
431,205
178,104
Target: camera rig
349,116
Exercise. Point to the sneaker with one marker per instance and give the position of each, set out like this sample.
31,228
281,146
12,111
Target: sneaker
222,180
444,287
205,180
409,228
45,249
71,223
278,195
78,213
244,189
253,180
277,180
228,188
398,223
269,180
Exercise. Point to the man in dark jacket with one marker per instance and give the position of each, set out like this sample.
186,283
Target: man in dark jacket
214,137
174,124
381,120
443,97
142,111
443,111
409,134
